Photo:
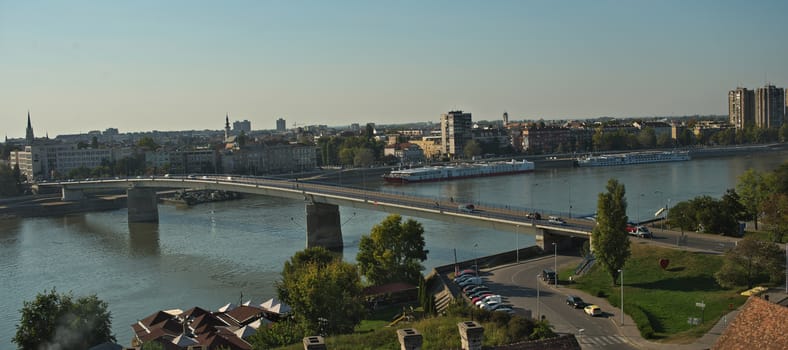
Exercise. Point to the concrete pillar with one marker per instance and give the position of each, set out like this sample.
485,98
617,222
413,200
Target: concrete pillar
409,339
323,228
471,335
314,342
71,195
142,204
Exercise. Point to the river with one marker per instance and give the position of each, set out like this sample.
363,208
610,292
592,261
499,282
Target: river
215,253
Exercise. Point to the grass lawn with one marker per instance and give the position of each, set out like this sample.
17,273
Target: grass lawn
764,236
660,301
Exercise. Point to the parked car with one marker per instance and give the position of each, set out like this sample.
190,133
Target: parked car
473,289
488,306
479,293
504,308
473,280
462,278
575,302
489,299
592,310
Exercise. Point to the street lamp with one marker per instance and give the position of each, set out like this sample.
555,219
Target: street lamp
475,259
555,262
621,272
533,211
517,243
538,313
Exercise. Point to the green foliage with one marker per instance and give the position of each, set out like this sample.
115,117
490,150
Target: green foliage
393,252
318,285
775,216
753,190
609,238
542,330
8,182
363,157
707,214
752,261
147,143
472,149
280,333
55,320
152,345
666,297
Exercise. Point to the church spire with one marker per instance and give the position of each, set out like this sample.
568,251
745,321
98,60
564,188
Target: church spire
227,127
29,137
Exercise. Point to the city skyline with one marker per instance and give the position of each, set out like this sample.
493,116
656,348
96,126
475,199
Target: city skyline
136,66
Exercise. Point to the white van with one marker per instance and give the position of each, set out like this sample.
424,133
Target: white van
556,220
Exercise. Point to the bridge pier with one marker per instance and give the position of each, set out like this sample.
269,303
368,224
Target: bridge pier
545,240
143,205
71,195
323,226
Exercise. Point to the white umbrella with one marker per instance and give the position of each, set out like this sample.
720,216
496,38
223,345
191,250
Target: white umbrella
245,332
227,307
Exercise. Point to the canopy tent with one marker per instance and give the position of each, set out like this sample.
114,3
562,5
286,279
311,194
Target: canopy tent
276,306
245,331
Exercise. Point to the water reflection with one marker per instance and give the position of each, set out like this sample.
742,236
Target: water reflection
144,239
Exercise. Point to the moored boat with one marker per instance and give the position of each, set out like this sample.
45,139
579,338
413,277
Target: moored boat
459,171
632,158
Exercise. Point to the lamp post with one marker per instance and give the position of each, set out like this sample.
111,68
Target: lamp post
533,212
517,243
621,272
538,313
555,262
475,259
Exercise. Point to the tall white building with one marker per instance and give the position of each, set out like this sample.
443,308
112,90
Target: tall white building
456,132
769,107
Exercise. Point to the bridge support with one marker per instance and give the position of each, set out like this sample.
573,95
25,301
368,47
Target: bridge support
70,195
143,205
323,227
546,239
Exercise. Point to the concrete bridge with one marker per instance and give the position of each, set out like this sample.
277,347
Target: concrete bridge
322,206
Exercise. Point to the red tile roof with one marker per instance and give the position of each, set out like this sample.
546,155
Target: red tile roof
759,325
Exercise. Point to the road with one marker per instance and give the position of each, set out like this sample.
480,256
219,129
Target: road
517,283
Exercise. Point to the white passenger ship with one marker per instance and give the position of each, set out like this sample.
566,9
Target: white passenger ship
460,171
632,158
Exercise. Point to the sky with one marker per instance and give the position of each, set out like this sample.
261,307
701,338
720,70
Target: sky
145,65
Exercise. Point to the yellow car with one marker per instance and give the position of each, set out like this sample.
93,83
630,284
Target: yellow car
592,310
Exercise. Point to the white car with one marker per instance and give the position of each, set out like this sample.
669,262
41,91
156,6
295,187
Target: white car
488,299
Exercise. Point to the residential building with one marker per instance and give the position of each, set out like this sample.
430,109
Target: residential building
769,107
281,125
430,146
239,126
546,139
406,152
492,138
741,107
660,128
456,132
270,159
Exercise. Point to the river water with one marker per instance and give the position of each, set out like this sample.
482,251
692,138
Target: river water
212,254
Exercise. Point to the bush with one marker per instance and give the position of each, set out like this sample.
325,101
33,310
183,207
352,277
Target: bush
519,328
641,320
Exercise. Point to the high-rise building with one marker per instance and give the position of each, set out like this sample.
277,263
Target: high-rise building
769,106
741,107
505,119
456,132
281,125
245,126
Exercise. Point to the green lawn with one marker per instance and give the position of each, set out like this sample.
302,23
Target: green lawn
660,301
764,236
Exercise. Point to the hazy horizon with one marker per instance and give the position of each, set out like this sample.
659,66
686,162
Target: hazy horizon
147,65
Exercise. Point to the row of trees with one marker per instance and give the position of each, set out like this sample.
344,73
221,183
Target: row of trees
706,214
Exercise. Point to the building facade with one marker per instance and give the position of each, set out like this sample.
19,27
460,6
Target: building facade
456,132
244,125
769,107
281,125
741,107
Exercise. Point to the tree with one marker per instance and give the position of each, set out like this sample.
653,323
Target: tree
609,238
775,215
147,144
58,321
320,286
392,252
363,157
751,261
472,149
752,190
94,143
8,183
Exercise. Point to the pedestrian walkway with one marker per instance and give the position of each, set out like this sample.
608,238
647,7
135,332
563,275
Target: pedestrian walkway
599,341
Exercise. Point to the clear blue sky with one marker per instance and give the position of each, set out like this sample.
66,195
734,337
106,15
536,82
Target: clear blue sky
177,65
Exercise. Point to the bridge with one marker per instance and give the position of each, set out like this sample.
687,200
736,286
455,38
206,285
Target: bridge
322,205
